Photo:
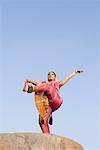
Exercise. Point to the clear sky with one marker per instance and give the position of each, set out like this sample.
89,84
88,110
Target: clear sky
37,37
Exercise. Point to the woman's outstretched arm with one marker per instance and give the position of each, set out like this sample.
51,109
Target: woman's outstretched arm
65,80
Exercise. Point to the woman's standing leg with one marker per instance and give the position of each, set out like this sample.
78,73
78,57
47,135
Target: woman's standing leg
44,122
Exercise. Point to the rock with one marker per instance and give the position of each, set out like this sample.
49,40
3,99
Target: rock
36,141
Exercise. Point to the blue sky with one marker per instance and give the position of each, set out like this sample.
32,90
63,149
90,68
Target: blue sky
37,37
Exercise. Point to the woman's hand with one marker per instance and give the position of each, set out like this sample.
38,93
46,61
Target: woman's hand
79,71
27,81
31,81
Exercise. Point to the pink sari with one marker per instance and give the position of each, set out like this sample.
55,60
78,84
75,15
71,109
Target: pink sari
52,91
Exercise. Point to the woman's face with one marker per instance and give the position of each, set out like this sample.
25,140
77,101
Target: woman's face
51,76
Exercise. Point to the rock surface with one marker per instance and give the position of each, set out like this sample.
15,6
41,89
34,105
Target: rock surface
36,141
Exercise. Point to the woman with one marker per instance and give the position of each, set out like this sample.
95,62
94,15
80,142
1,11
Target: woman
51,89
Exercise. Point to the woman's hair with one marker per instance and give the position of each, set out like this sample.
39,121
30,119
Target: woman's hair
52,72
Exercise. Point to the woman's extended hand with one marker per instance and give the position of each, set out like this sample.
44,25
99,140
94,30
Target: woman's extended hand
79,71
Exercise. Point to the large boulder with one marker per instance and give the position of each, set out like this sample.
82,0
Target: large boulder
36,141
